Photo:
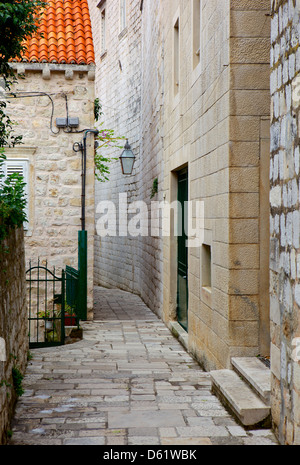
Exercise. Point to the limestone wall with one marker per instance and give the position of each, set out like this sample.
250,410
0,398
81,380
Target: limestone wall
54,167
151,151
128,84
13,323
117,85
216,124
249,132
197,135
284,201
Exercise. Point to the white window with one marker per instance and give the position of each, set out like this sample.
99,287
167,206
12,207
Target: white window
103,31
19,166
102,8
123,13
176,59
206,266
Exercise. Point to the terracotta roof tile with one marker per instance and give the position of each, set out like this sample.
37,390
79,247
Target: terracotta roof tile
66,35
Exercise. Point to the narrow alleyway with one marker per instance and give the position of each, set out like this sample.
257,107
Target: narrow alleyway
128,382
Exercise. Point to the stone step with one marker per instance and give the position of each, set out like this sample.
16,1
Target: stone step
239,398
256,374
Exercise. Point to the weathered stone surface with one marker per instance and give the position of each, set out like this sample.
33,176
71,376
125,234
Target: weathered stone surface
256,374
80,393
145,419
13,322
248,408
284,231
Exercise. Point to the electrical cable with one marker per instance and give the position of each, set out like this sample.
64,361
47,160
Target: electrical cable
45,94
68,130
36,94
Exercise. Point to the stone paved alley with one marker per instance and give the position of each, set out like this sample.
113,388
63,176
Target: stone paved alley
128,382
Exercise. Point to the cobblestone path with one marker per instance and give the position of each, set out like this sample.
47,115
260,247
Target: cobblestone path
128,382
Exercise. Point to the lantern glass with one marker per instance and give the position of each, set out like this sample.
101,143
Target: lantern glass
127,160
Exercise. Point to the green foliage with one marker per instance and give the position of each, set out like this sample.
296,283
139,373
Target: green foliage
17,381
7,136
47,314
154,189
107,139
97,109
12,201
18,21
5,383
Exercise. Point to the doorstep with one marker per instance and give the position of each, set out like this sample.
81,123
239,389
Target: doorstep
245,391
180,333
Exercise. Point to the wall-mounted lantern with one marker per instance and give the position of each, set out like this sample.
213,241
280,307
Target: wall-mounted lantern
127,160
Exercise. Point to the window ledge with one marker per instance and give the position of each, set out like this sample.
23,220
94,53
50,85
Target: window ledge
207,289
103,55
176,100
123,33
206,295
21,152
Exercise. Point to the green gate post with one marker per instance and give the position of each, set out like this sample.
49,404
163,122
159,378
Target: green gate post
82,268
63,296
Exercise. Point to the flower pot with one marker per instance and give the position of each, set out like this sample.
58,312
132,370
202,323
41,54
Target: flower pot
49,325
70,320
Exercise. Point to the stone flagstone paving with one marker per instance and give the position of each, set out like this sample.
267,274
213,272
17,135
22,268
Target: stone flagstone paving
128,382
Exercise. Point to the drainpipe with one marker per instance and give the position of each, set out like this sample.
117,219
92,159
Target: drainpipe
82,235
83,174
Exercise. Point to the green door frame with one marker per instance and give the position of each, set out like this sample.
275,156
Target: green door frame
182,251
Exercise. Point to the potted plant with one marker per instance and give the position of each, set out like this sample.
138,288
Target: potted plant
48,317
70,316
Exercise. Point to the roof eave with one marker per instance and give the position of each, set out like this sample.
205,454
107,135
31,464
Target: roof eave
47,68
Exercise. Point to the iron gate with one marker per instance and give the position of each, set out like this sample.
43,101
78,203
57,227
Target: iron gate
46,306
53,304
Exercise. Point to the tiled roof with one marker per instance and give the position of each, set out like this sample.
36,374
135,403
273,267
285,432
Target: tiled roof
66,35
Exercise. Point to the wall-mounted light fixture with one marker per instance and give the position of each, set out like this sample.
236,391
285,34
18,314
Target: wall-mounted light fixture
127,160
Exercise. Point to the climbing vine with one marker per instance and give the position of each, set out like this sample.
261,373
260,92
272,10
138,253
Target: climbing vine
106,139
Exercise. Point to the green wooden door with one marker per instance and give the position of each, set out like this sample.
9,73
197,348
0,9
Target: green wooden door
182,252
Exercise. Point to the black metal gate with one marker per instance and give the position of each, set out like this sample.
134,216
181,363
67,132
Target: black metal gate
46,306
54,303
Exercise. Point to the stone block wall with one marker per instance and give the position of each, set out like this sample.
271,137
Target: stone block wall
117,85
128,84
284,230
196,129
248,253
49,92
151,152
13,323
216,124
